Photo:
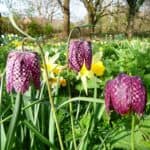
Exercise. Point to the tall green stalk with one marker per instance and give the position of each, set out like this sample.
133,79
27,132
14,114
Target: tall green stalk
51,99
71,118
51,128
51,119
2,131
69,91
47,81
132,132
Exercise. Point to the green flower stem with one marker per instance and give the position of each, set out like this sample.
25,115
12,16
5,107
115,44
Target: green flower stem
51,128
69,92
95,96
47,82
132,132
93,116
51,119
1,88
71,118
70,104
13,122
2,131
51,99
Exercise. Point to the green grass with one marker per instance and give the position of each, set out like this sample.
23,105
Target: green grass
84,124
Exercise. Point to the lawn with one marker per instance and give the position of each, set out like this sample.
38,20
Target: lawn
69,108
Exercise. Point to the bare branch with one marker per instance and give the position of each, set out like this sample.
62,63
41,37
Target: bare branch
60,3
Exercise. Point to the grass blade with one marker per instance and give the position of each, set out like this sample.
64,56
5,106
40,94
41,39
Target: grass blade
85,99
3,137
38,134
13,123
2,131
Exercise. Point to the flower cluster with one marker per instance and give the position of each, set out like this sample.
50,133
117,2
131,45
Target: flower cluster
123,94
12,39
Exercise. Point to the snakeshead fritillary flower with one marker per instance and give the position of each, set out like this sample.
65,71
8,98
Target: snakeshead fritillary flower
124,94
21,68
80,52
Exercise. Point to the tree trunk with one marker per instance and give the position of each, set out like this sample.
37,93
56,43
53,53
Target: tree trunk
66,13
130,26
92,22
117,18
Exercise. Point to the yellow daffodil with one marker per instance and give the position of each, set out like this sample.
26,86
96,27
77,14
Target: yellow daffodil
57,80
16,43
50,63
63,82
84,74
98,68
52,68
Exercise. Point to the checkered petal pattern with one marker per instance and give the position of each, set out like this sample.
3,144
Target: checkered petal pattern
80,52
21,69
124,94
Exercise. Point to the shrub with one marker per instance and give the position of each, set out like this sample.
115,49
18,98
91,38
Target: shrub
6,26
35,29
48,29
3,55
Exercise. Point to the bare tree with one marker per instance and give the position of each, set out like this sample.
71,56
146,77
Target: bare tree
96,9
134,6
45,8
143,18
9,3
65,6
119,14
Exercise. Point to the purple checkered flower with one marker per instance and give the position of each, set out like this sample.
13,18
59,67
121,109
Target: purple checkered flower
21,68
124,94
80,52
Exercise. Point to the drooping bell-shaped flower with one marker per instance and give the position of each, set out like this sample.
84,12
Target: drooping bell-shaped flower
80,52
21,69
124,94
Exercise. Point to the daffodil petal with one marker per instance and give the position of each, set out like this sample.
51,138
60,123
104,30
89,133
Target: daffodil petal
84,83
98,68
